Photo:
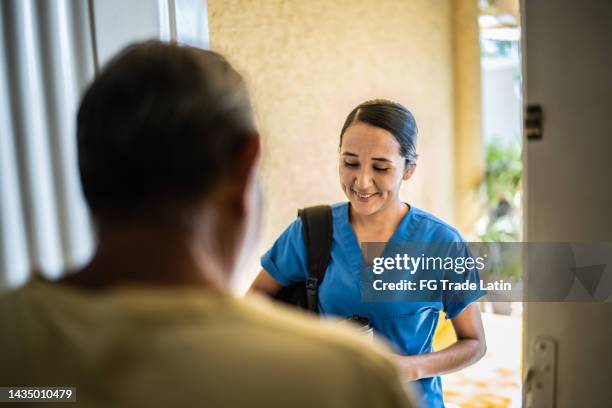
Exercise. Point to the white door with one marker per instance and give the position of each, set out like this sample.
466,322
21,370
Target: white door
567,53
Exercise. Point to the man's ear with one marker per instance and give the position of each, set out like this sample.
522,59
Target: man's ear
408,172
243,169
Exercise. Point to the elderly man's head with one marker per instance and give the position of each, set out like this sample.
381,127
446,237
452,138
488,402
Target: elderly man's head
166,135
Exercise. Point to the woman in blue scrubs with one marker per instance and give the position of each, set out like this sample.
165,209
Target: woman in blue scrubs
378,153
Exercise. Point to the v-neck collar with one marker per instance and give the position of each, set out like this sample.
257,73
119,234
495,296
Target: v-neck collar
347,234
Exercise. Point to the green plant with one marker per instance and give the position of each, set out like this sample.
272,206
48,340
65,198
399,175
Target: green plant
503,171
500,188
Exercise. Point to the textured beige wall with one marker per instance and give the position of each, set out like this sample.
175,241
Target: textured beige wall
309,62
469,149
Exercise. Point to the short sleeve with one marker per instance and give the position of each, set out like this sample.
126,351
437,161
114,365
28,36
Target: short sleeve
456,301
286,260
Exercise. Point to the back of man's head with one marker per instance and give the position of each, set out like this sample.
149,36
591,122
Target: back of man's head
161,124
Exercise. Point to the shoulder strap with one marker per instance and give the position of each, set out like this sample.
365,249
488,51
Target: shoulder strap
317,229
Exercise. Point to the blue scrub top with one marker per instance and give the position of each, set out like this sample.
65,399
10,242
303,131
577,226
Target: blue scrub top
408,326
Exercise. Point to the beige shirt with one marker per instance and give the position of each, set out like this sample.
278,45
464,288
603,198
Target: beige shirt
147,347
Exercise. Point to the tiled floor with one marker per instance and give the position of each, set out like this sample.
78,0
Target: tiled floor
495,380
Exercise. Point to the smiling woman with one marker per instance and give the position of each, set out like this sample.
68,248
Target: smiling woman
377,153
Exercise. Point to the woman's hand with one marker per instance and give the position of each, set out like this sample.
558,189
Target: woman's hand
408,367
469,348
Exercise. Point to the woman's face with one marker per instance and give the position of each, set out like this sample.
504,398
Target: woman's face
371,168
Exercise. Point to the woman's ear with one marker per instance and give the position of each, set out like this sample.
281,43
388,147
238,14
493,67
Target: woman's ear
408,172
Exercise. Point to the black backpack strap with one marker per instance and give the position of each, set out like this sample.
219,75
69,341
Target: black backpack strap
317,229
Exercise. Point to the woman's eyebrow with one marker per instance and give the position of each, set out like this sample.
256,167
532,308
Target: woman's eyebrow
381,159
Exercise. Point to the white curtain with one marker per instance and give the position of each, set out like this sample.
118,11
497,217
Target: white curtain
49,51
47,59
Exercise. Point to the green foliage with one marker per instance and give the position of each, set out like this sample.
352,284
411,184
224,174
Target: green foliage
500,189
503,173
495,48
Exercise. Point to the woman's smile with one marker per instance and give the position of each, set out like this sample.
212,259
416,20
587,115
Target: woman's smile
371,168
363,196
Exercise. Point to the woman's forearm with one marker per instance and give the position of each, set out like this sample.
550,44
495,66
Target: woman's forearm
459,355
264,283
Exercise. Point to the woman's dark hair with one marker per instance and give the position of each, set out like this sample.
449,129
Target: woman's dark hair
161,122
390,116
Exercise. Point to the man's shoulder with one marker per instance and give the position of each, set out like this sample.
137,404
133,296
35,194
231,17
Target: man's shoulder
201,340
330,341
11,302
288,324
327,354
